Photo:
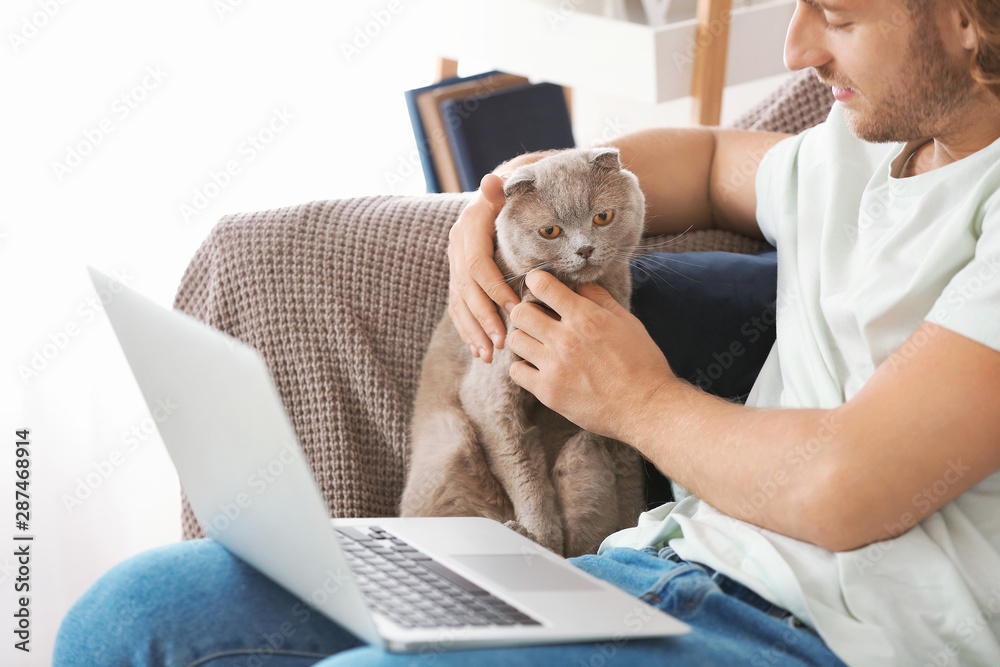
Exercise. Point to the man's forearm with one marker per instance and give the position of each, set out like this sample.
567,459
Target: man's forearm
766,467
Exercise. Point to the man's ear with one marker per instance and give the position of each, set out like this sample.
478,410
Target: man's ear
966,29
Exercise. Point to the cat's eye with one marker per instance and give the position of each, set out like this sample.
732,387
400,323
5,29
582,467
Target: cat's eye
550,232
604,217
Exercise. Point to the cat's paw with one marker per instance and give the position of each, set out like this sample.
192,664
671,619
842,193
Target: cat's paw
518,528
551,540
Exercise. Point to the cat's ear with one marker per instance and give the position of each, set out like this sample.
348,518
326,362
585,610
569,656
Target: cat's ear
519,183
606,157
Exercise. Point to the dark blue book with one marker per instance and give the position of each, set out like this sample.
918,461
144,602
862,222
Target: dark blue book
419,132
485,131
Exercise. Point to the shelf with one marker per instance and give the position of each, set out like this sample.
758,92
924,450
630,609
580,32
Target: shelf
631,60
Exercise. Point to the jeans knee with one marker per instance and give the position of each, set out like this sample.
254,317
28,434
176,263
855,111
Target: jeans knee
117,621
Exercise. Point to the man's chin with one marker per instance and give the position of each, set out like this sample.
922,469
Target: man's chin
863,126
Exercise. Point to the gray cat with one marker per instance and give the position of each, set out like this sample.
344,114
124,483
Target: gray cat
481,445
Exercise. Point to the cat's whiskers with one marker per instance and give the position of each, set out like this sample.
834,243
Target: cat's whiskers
656,278
646,252
646,248
518,276
618,257
662,242
629,255
545,266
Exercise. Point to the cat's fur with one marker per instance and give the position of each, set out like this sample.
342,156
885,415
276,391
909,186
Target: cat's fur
481,445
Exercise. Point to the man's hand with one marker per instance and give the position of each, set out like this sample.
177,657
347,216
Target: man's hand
595,365
476,283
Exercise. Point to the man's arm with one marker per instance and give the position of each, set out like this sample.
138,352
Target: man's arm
701,178
924,429
698,178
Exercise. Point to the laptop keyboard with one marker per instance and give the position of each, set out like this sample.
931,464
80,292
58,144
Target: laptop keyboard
415,591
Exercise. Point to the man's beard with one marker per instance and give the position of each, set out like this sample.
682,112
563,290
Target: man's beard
922,102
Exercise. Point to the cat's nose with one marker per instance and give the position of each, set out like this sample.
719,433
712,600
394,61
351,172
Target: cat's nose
585,251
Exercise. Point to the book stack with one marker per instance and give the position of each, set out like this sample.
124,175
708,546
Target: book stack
466,126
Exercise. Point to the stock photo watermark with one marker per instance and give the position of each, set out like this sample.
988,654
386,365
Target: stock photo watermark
705,36
566,9
229,512
23,539
635,620
102,470
32,24
777,652
923,502
967,628
406,166
795,459
219,179
968,287
223,8
57,342
744,172
76,153
612,129
751,331
364,34
872,211
332,583
912,347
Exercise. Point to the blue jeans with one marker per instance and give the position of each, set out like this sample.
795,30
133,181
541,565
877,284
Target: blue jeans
194,603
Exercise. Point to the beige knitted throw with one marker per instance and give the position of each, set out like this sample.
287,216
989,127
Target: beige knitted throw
340,297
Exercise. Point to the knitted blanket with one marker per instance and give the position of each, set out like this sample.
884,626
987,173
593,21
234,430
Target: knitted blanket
340,297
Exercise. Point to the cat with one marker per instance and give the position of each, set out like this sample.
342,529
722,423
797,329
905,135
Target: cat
480,445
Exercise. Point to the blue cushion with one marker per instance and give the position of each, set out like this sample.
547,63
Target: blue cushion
713,315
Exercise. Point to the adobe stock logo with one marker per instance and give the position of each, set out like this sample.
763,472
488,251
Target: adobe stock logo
77,152
217,180
33,23
58,341
371,30
87,484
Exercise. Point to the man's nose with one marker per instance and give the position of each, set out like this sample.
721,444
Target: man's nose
805,42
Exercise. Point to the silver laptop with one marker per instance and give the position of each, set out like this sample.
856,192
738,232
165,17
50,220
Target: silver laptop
473,582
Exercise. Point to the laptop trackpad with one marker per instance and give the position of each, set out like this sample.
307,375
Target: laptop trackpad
524,572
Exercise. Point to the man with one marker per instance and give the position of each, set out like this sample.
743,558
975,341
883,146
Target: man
887,341
849,513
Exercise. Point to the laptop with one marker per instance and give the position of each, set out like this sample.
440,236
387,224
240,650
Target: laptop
473,582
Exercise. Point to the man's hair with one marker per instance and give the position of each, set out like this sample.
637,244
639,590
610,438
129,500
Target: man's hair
984,15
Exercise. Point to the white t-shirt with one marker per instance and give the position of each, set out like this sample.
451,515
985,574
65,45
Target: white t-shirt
863,259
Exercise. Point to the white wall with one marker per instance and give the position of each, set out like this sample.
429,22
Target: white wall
155,100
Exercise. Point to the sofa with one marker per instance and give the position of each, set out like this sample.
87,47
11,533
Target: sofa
340,297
